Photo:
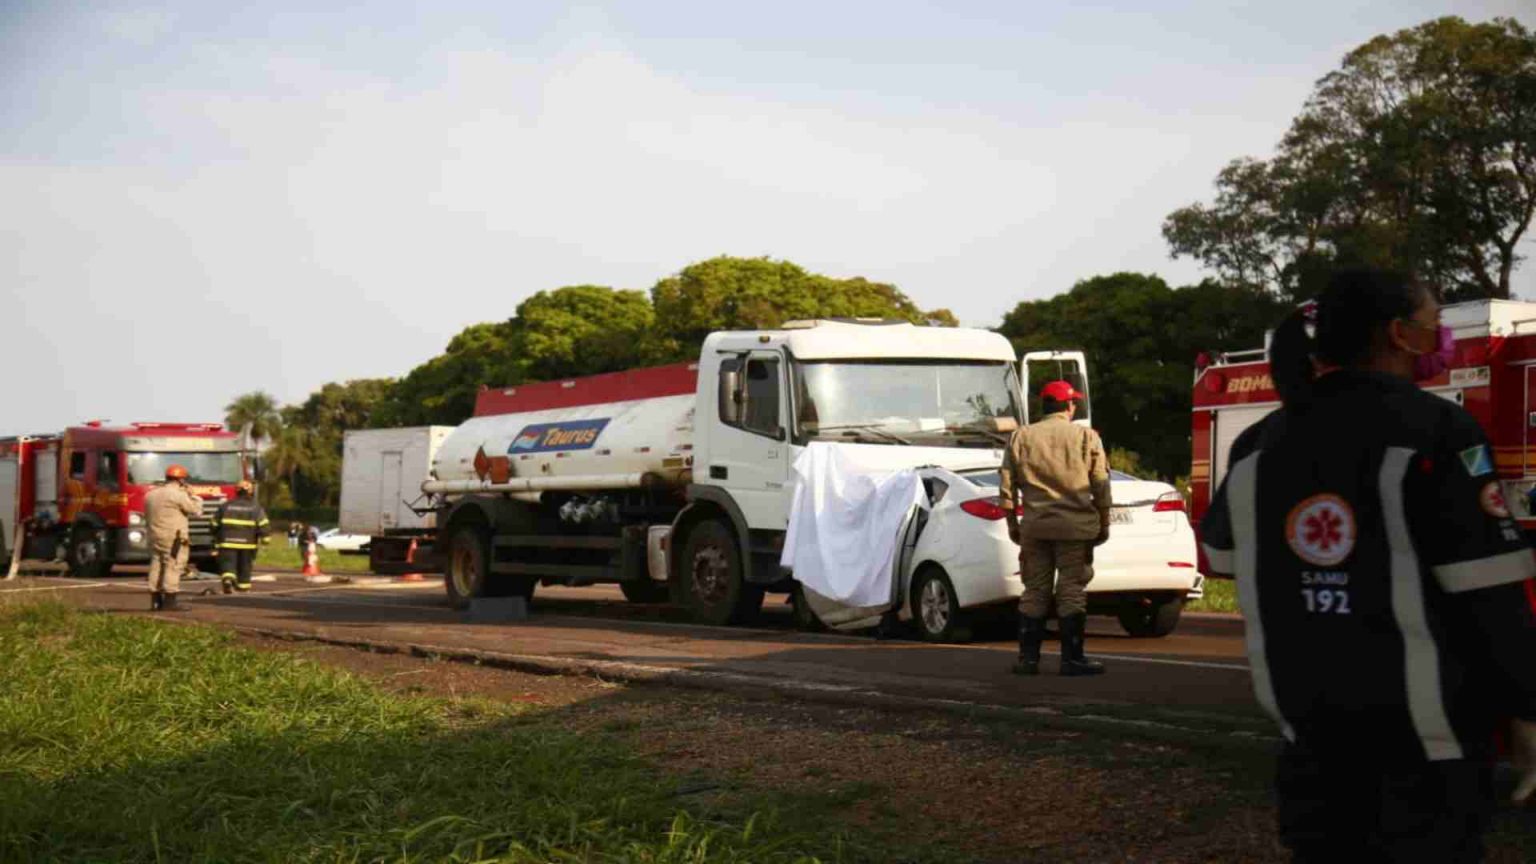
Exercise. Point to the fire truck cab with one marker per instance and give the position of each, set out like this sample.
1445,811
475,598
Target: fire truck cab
80,494
1493,377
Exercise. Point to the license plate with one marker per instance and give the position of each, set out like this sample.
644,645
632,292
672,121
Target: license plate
1119,516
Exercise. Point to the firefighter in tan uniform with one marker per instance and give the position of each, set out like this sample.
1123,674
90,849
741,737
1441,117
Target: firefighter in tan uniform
166,509
1056,479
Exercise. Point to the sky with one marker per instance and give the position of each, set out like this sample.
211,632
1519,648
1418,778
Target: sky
198,201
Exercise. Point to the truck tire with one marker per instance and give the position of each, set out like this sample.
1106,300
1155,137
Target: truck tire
644,591
1155,617
711,567
88,555
469,554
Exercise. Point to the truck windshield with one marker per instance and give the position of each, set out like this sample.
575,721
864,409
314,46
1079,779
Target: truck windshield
946,403
220,468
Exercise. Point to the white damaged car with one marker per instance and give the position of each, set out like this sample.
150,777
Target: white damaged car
961,559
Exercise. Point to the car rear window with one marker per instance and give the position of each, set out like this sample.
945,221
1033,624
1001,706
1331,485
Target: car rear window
993,477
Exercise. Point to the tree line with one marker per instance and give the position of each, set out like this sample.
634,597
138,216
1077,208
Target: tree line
1418,153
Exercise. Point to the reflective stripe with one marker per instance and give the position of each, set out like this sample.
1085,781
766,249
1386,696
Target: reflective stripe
249,523
1421,657
237,545
1243,508
1501,569
1220,560
264,521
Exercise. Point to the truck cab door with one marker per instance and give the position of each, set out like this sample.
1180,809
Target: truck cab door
749,449
1037,368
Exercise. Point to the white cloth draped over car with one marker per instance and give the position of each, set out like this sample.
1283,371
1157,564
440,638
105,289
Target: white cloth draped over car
845,531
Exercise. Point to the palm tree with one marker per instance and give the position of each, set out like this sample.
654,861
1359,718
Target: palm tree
288,456
256,416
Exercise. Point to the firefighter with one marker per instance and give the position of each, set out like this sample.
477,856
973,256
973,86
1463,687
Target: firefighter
1055,480
166,509
1387,593
239,526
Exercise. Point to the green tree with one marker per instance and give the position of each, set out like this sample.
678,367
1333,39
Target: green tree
1141,338
582,330
255,416
728,293
1418,153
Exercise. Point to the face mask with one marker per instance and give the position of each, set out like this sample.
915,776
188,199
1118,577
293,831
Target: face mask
1432,363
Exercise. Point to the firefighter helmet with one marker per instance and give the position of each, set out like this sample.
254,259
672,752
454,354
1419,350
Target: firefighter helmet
1060,391
246,487
175,472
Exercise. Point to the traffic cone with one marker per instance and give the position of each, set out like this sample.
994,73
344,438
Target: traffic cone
410,558
311,571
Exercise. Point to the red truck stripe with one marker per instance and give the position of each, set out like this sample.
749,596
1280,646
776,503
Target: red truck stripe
676,380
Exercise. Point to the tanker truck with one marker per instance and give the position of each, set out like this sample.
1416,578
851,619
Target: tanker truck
675,482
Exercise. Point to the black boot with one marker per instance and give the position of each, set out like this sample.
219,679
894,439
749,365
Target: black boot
169,604
1031,634
156,601
1073,663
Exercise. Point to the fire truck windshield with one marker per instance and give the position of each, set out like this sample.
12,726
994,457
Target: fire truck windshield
944,403
220,468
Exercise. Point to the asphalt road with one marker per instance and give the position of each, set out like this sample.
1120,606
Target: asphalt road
1194,679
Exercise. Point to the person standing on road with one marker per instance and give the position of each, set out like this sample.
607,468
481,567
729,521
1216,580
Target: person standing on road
1387,593
239,526
1055,482
293,535
166,509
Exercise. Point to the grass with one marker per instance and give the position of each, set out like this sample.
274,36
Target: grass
124,739
1220,596
277,554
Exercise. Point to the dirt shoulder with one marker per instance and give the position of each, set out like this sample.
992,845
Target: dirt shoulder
987,790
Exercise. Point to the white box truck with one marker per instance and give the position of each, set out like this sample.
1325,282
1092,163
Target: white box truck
381,472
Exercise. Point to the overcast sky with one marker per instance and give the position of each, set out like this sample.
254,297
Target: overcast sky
197,201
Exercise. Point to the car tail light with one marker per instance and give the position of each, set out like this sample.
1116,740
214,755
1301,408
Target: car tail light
985,508
1169,501
1180,564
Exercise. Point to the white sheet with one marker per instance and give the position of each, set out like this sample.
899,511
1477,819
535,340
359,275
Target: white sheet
843,525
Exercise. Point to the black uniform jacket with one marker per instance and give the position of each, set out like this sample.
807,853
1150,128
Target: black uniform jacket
1385,589
239,524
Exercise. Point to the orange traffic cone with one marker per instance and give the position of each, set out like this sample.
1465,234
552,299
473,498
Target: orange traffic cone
410,558
311,571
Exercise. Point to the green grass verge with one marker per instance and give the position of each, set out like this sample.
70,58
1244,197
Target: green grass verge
1220,596
124,739
277,554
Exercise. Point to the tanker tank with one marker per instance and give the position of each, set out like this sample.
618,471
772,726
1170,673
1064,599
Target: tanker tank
613,431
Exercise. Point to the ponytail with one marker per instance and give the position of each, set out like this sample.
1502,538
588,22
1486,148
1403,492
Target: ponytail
1290,357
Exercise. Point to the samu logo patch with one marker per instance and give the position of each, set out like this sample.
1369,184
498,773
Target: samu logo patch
1321,530
1477,460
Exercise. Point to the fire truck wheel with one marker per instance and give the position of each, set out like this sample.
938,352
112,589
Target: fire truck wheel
644,591
88,557
468,555
711,564
1153,617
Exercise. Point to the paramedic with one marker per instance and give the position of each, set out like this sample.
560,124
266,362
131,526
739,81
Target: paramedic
1386,591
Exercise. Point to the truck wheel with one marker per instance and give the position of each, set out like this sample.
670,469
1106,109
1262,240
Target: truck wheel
711,566
468,557
935,608
1153,617
644,591
88,555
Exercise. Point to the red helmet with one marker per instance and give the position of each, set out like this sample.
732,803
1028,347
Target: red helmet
175,472
1060,391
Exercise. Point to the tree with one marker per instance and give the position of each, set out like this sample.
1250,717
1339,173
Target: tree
1418,153
749,293
582,330
255,416
1141,338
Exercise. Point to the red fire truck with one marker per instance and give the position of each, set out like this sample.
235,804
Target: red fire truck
79,494
1493,377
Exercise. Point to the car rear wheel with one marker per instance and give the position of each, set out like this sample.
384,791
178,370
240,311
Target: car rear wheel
935,608
1153,617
